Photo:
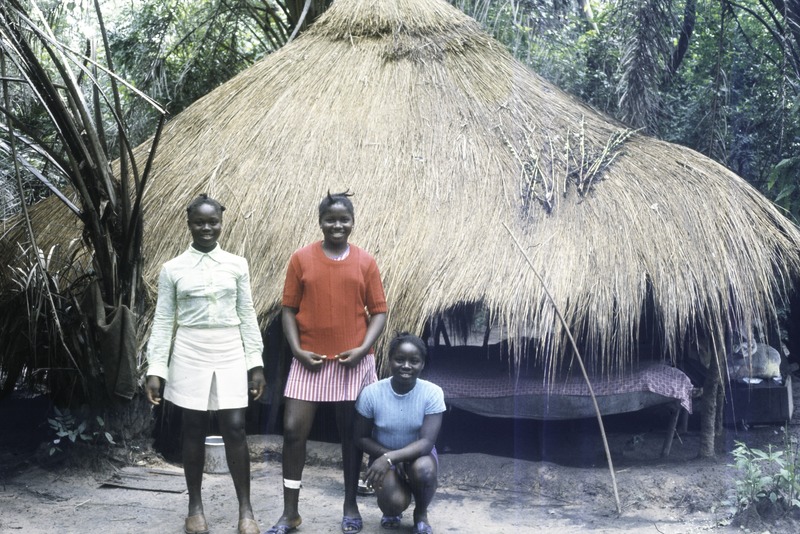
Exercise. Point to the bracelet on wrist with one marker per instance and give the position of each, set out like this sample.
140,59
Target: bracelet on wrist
386,455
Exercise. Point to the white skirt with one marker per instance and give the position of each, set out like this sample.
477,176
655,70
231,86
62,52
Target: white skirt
207,369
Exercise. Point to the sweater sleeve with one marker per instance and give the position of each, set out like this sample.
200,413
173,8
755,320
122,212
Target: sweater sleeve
248,326
292,287
160,342
376,298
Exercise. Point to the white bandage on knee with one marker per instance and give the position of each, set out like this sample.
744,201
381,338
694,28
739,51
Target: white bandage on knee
292,484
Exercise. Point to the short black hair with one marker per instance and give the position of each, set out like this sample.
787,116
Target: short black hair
406,337
337,198
201,199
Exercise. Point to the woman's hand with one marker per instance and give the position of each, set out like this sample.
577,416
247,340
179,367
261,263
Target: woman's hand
153,390
257,383
310,360
350,358
377,471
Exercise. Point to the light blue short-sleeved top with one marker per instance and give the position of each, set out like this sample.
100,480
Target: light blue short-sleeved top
203,290
398,418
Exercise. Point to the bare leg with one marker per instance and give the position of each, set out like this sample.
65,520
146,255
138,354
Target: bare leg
393,495
195,424
351,456
298,416
423,478
231,424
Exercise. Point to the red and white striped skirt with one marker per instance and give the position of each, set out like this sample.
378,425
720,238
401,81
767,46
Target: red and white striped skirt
333,382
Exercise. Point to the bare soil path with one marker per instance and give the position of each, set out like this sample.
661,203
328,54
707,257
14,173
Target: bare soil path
542,478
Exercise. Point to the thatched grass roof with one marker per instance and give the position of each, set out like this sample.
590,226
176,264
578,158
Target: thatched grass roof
446,141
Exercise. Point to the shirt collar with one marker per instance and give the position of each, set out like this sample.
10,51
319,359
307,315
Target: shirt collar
215,253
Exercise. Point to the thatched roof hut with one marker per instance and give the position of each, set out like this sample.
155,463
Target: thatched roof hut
451,146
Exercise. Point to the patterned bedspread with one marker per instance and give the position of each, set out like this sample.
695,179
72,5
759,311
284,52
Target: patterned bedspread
462,380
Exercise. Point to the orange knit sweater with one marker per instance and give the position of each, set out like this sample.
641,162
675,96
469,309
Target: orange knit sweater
334,299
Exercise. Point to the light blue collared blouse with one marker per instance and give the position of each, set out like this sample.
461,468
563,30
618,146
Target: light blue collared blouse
203,290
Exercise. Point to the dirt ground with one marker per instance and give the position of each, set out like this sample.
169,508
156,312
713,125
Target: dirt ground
497,476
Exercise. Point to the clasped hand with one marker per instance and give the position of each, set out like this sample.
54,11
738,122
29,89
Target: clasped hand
312,360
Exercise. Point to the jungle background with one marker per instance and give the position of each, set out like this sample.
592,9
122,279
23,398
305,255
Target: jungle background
720,77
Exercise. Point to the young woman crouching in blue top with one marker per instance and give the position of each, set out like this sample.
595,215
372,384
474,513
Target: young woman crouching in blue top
397,424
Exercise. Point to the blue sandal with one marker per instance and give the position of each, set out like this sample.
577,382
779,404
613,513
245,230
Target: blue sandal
391,521
280,529
422,528
351,525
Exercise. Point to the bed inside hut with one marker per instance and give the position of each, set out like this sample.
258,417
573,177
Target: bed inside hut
481,377
492,387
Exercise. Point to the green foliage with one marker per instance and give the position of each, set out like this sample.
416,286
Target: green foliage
644,53
772,475
177,51
46,348
174,51
555,41
732,95
79,95
783,184
71,429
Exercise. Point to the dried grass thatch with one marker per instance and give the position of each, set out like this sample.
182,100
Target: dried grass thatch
445,138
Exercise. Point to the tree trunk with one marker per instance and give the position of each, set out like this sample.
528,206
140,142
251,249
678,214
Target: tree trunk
790,11
710,407
588,14
129,420
295,8
687,29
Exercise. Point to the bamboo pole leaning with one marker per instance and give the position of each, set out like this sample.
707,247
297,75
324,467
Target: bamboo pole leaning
580,364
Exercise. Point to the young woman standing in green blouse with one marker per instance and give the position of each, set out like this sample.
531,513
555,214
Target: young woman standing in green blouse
204,299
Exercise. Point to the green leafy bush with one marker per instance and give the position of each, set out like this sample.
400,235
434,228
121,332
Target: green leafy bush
772,475
71,429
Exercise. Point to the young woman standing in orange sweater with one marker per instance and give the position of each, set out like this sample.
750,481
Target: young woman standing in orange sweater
334,310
